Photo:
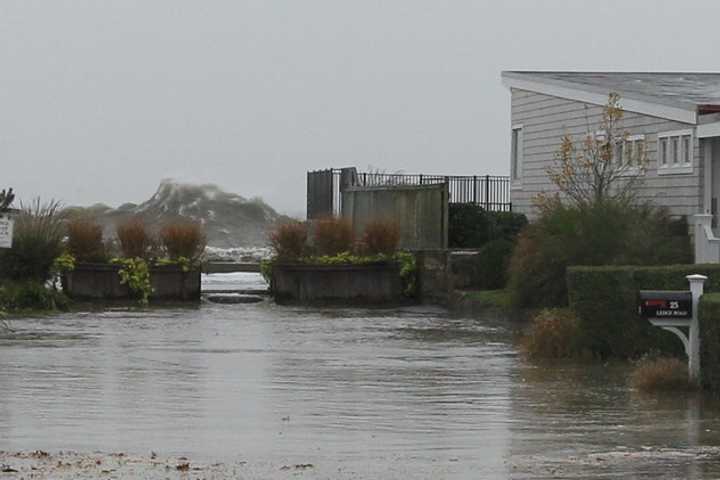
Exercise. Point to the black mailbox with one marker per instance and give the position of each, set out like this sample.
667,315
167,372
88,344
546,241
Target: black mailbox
665,304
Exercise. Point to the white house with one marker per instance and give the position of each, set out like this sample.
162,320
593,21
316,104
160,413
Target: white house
676,116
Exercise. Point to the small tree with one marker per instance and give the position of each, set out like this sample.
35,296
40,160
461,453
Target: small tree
604,166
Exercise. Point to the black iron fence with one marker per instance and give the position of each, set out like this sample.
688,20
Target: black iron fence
324,188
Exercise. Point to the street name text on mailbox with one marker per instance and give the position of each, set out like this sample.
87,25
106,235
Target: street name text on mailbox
665,304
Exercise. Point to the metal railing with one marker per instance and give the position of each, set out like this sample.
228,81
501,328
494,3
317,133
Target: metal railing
324,188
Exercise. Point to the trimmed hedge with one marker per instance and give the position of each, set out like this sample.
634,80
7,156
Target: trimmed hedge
710,341
605,300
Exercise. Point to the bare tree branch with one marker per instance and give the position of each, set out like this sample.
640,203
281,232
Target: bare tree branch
589,171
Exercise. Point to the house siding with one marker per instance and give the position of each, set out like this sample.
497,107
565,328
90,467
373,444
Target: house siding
546,119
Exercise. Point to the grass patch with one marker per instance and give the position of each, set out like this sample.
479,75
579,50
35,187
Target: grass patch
489,298
31,296
661,374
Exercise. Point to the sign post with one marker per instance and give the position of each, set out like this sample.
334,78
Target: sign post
674,310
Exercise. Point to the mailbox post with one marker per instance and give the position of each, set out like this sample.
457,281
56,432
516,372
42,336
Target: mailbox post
675,310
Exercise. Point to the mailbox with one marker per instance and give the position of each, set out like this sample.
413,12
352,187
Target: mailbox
665,304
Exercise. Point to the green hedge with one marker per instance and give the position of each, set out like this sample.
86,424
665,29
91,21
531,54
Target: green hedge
605,300
710,341
471,226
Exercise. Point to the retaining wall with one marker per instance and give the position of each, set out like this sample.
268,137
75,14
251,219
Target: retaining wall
355,284
100,281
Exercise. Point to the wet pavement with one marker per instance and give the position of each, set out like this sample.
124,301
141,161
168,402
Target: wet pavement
262,391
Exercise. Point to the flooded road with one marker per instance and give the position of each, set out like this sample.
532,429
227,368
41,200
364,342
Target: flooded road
401,393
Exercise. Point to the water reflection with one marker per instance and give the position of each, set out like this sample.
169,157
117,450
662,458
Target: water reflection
584,421
362,393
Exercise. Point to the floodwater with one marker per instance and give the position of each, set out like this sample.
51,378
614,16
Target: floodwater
356,393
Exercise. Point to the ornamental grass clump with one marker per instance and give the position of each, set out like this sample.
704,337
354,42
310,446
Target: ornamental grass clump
332,236
553,334
85,240
381,236
38,240
289,240
184,240
134,239
661,374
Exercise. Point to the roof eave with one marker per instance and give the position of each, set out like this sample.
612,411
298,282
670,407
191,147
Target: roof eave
677,111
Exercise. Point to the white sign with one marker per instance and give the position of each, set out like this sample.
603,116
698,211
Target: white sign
6,232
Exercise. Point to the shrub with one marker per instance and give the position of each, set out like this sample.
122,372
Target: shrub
709,325
332,236
381,237
607,233
492,264
471,226
38,241
289,240
468,226
135,273
604,298
661,374
553,334
31,295
134,239
184,240
85,240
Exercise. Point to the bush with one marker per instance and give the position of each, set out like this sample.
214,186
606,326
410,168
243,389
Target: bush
602,234
492,264
661,375
38,241
332,236
381,237
184,240
134,239
471,226
31,295
289,240
85,240
553,333
605,301
709,323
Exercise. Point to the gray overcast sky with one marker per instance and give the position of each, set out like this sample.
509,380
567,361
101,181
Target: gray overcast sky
100,100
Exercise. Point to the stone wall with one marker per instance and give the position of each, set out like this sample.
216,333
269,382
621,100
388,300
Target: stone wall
433,276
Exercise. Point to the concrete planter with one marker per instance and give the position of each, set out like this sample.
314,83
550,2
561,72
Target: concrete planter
100,281
357,284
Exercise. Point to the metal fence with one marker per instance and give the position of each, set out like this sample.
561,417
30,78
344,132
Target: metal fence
324,188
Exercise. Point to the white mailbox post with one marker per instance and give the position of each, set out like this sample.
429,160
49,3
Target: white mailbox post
676,310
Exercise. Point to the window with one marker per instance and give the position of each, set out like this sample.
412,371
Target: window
516,153
675,152
629,152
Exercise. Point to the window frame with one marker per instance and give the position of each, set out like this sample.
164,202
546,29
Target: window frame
670,167
631,141
516,155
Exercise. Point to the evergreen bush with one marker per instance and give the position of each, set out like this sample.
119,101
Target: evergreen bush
471,226
606,233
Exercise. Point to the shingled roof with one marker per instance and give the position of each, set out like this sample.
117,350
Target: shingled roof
691,92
